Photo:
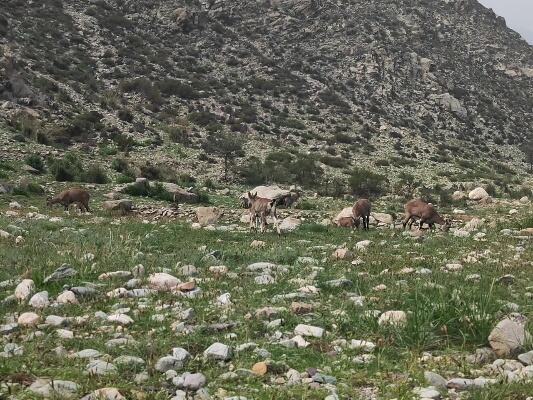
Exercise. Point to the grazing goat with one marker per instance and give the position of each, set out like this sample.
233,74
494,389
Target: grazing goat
259,210
362,209
77,196
419,209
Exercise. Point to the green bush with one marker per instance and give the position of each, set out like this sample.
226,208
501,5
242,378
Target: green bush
364,182
202,118
94,174
173,87
125,179
253,171
27,189
66,169
178,134
120,165
35,161
335,162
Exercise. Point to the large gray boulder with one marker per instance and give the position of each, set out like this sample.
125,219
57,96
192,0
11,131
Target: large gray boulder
123,205
179,194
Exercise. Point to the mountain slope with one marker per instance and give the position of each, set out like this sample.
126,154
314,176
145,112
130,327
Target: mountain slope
379,82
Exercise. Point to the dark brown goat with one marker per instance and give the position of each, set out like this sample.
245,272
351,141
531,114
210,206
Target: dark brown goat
77,196
419,209
361,210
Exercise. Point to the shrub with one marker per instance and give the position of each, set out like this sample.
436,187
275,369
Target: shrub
151,172
120,165
253,171
335,162
35,161
27,189
178,134
202,118
173,87
363,182
125,115
66,169
125,179
94,174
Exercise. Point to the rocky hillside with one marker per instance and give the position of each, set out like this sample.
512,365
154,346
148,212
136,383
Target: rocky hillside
440,88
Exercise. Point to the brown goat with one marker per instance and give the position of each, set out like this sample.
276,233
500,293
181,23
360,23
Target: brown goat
77,196
361,210
419,209
260,208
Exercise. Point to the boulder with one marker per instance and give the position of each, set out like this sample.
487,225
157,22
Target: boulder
450,103
56,388
24,289
179,194
268,192
508,337
289,224
383,218
478,194
218,351
345,213
458,195
28,319
123,205
208,215
163,281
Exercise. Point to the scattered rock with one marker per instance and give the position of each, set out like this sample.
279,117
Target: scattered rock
218,351
396,318
24,289
28,319
309,330
508,337
478,194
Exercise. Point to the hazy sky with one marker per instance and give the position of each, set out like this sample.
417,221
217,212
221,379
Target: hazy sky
517,13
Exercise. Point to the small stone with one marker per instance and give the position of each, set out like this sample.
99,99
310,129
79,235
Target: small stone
168,362
24,289
435,379
362,245
260,368
99,367
28,319
264,279
67,297
128,360
526,358
87,353
218,351
308,330
63,272
396,318
189,381
342,254
301,308
163,281
121,319
39,300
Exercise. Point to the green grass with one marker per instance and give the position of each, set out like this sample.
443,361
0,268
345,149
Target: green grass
447,315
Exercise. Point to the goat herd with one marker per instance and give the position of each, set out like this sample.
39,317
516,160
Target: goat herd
261,208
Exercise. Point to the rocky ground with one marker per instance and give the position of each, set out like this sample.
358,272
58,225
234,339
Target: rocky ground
186,303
